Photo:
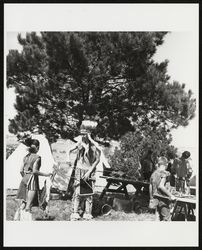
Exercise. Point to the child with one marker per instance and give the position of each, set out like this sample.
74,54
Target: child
160,196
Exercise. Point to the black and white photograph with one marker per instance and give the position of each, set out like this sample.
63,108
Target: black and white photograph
100,124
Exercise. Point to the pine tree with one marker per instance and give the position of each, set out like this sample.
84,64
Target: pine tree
62,78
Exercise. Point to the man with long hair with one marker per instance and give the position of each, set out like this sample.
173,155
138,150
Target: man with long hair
88,157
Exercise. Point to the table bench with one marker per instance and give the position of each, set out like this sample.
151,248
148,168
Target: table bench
121,184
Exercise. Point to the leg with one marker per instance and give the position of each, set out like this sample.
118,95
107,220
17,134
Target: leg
76,200
156,215
88,208
30,198
75,204
164,211
22,204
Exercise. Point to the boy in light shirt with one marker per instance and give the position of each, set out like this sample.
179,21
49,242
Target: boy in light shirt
160,196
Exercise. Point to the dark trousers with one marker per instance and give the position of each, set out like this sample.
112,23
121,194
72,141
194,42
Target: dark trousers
163,209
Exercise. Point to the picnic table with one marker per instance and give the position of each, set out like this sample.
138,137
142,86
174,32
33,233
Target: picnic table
121,184
184,202
187,204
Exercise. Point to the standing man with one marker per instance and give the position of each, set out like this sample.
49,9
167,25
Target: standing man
147,166
88,157
183,171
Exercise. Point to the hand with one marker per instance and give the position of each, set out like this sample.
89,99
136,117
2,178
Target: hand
172,197
86,176
50,174
56,164
68,163
88,136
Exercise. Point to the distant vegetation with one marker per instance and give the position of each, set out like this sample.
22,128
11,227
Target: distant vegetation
9,149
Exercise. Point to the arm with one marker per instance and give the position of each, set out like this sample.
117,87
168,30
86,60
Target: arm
189,170
70,151
22,170
102,156
150,191
98,153
164,189
94,165
36,167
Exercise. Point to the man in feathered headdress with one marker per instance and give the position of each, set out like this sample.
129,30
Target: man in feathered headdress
88,156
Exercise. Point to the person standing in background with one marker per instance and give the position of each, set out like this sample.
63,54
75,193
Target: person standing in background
183,171
172,174
147,166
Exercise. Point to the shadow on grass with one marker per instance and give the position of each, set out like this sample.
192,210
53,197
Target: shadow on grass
48,218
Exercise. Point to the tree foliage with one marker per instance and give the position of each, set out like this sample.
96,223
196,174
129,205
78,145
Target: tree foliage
62,78
134,147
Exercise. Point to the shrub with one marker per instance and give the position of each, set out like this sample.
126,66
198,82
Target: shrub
134,147
10,148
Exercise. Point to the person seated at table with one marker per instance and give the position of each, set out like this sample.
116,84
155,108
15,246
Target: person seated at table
182,169
160,196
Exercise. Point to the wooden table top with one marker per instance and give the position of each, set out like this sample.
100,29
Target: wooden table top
129,181
185,198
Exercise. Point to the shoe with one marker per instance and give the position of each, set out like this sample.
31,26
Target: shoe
25,215
87,216
75,216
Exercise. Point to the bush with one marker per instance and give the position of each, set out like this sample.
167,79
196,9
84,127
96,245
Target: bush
10,149
126,158
134,147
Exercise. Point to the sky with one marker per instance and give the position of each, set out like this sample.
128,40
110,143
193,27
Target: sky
179,48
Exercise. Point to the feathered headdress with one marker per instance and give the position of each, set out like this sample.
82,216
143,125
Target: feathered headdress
87,126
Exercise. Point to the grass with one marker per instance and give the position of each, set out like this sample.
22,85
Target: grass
60,210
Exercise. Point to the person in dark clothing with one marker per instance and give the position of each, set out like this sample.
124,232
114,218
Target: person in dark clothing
147,166
183,171
172,173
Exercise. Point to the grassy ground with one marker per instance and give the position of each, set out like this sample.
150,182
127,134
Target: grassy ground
60,210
